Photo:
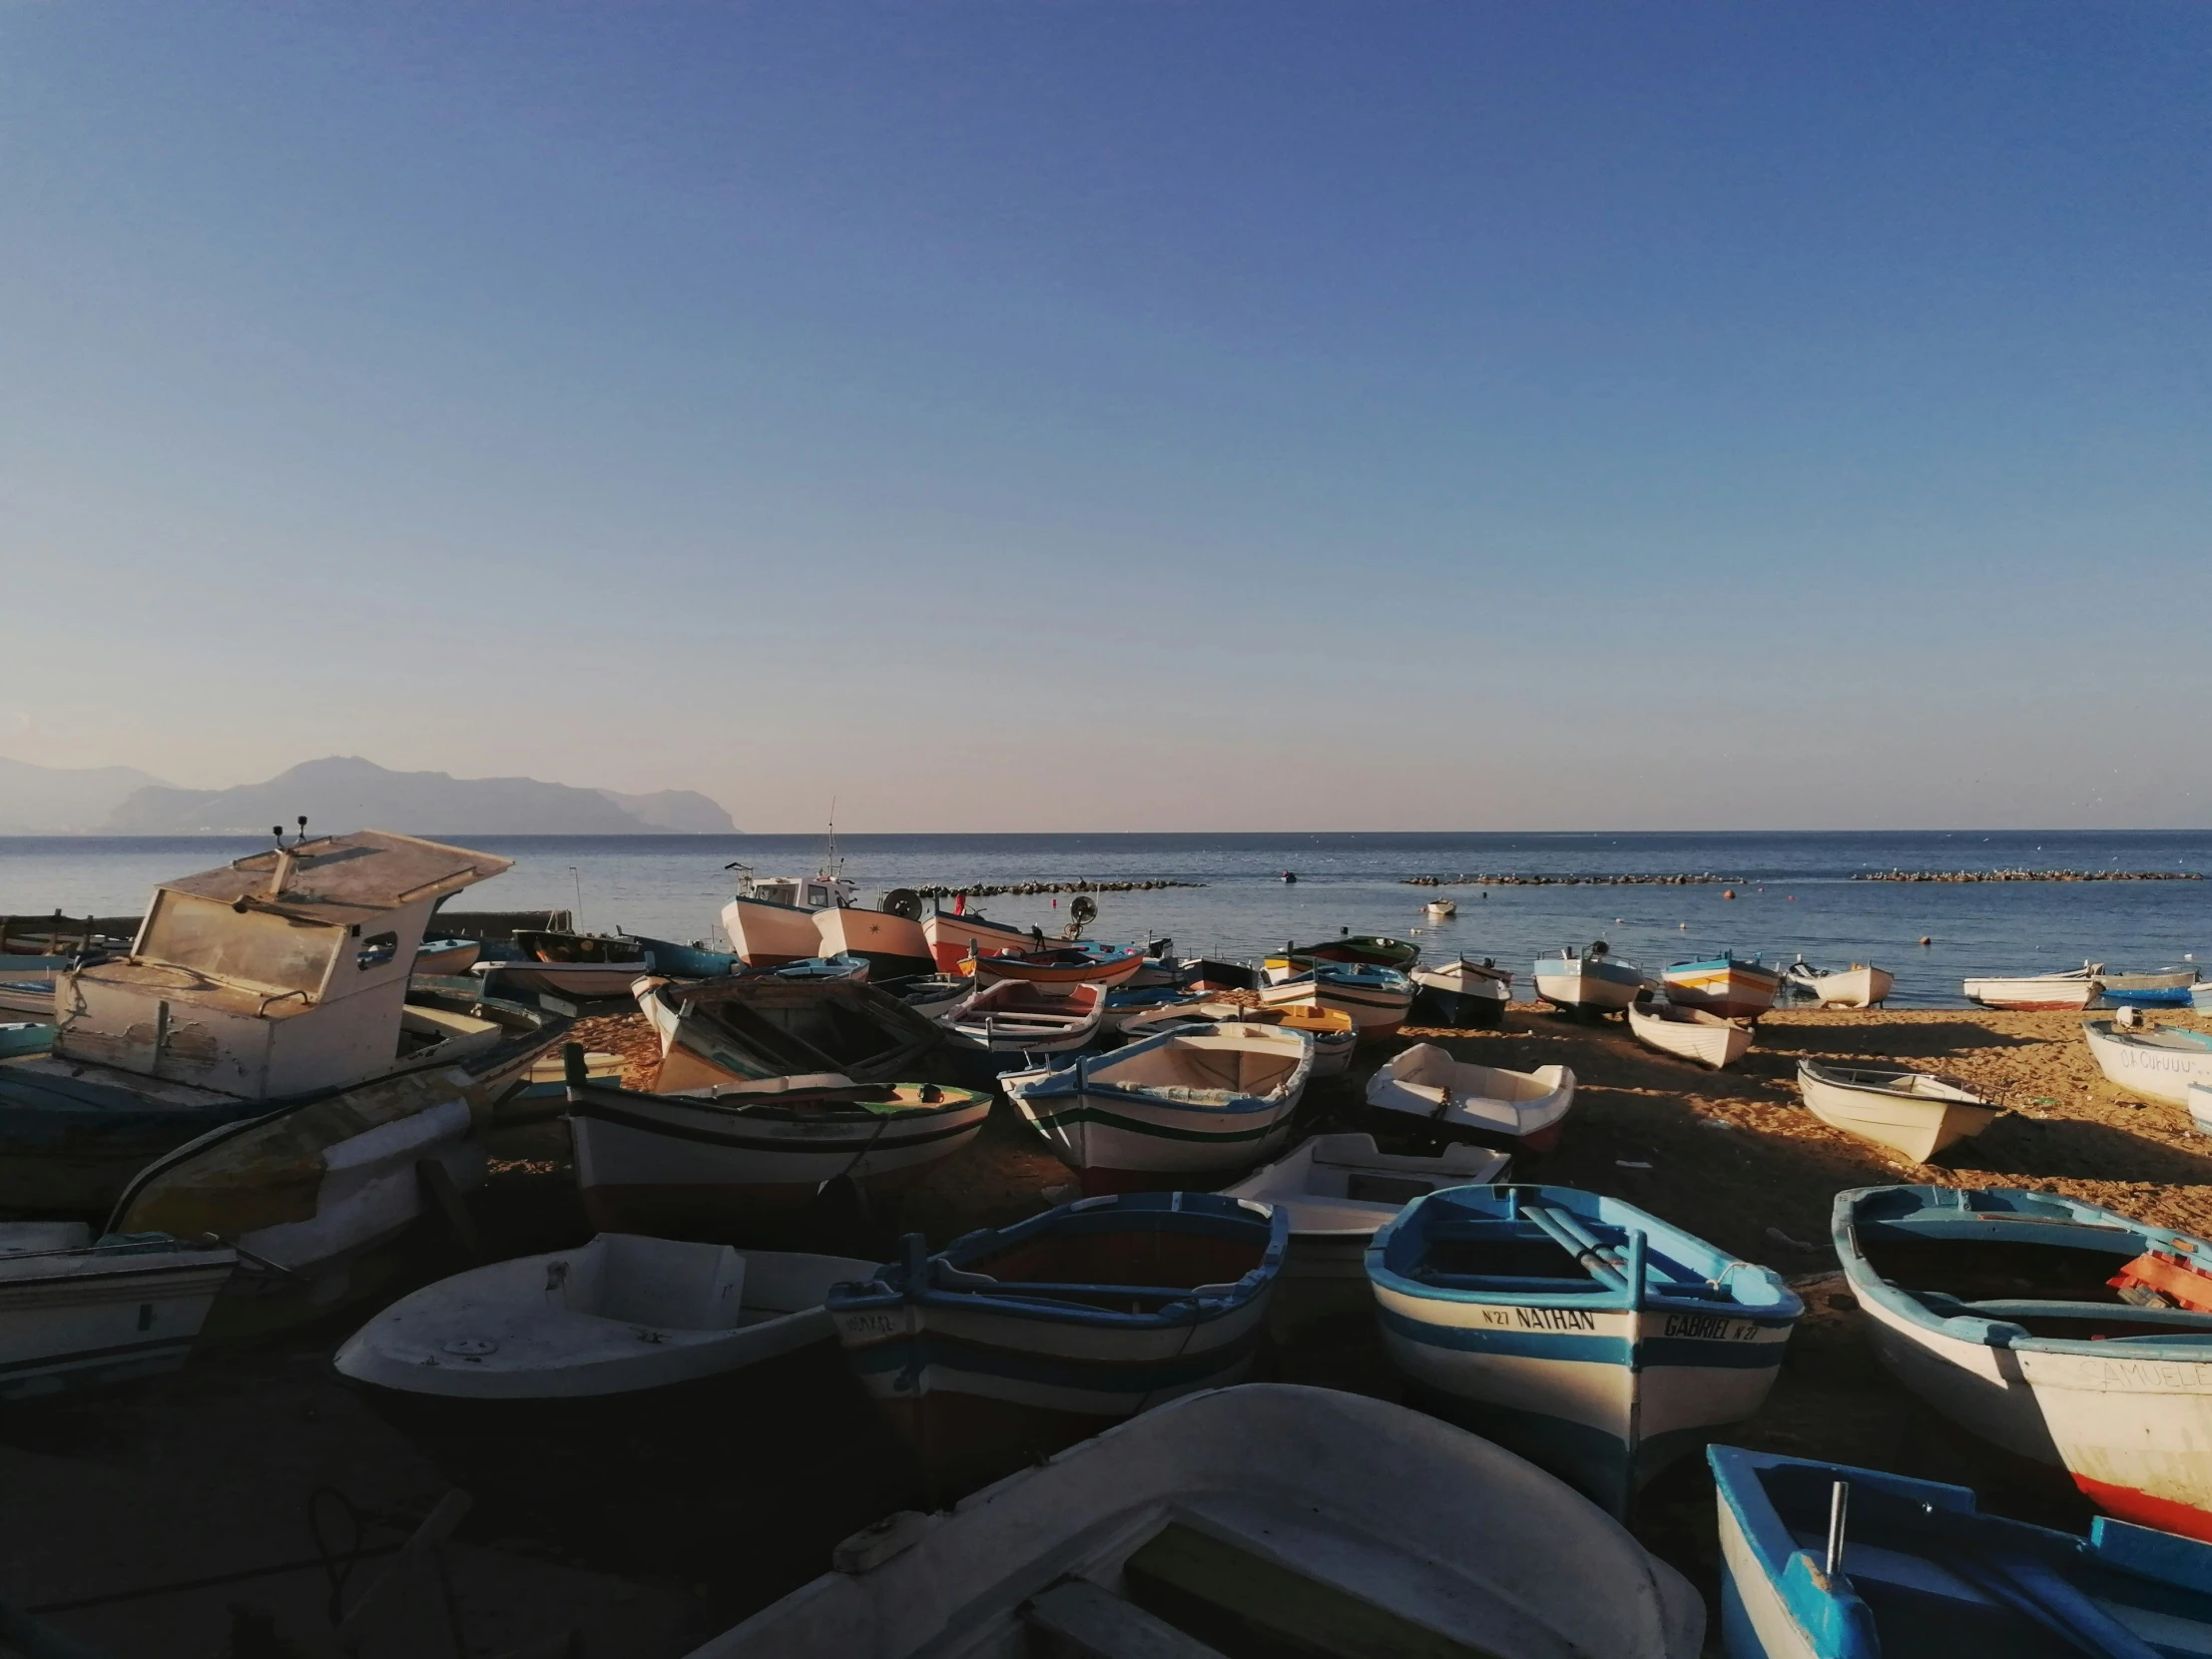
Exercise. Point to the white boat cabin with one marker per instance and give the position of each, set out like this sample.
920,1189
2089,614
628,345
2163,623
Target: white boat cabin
280,973
820,891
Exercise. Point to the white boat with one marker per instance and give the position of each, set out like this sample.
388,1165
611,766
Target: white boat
953,939
1688,1033
1999,1308
1335,1036
1271,1509
1595,982
1012,1016
720,1162
581,982
1860,985
1375,999
1337,1189
27,983
1199,1101
75,1313
2071,989
770,921
2156,1063
447,958
1911,1113
2199,1098
1522,1111
1441,907
1463,995
889,940
618,1316
937,996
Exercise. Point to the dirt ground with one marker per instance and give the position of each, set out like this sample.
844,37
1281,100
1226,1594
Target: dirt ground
212,1471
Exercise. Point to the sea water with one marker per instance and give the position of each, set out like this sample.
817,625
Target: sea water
1793,893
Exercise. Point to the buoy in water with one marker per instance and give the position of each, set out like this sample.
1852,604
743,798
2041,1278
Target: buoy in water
1728,893
1925,939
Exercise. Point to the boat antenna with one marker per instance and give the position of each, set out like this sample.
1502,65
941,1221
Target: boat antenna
577,920
830,862
1838,1509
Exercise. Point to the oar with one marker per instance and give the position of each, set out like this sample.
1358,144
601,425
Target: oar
2034,1591
1587,1251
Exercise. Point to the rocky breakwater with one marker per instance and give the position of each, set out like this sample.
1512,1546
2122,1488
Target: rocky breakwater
1023,890
2028,875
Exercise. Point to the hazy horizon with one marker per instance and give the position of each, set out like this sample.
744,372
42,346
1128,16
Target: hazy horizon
1121,418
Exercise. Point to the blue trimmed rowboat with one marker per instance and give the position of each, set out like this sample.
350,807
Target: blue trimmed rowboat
1732,986
1917,1570
1375,999
1025,1338
1577,1330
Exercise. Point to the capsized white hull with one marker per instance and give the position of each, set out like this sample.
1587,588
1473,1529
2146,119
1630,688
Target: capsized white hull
1859,987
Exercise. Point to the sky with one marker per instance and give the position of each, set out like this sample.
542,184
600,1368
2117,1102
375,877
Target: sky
1044,415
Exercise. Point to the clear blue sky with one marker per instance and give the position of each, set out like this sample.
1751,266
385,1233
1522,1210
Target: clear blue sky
1140,415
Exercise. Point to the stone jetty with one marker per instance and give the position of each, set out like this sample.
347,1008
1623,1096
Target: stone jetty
2028,875
1022,889
1571,880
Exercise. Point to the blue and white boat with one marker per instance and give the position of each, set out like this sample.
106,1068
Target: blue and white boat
1374,999
25,1037
1575,1329
1025,1338
2173,987
1888,1567
1125,1002
1592,982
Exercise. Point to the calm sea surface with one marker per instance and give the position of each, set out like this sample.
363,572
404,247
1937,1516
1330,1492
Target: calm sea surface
1794,895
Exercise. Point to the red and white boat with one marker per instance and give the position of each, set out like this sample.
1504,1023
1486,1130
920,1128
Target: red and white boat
954,938
1080,964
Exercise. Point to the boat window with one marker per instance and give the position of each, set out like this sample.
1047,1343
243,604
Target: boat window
818,896
376,951
252,947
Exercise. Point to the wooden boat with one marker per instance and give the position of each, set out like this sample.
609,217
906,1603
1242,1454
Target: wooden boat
447,958
2166,988
731,1159
1688,1033
771,919
76,1313
2040,991
1013,1016
892,944
937,996
1914,1114
1197,1102
1439,908
1132,1001
2157,1064
1247,1520
1080,962
1206,974
2198,1097
25,1037
1371,950
1375,999
1896,1564
1592,1338
311,1192
571,981
1860,985
1463,995
623,1314
2007,1313
717,1031
1331,1029
1337,1190
954,937
281,978
1022,1340
1729,985
1520,1111
2200,997
1594,982
27,983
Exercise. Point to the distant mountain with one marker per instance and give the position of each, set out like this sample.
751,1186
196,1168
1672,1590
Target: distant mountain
680,811
63,801
348,793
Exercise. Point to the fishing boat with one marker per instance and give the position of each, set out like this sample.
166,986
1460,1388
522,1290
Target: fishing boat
2200,997
1077,963
1592,1338
1375,999
730,1160
1437,910
1732,986
1197,1102
1132,1001
27,983
25,1037
1463,995
1013,1016
1371,950
2157,1064
1247,1520
621,1315
312,1191
764,1026
1331,1030
771,919
1914,1114
1021,1340
2166,988
586,981
2011,1313
1592,983
280,979
1860,985
76,1313
447,958
1159,967
954,937
1520,1111
1825,1561
1337,1190
937,996
890,939
1688,1033
2039,991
